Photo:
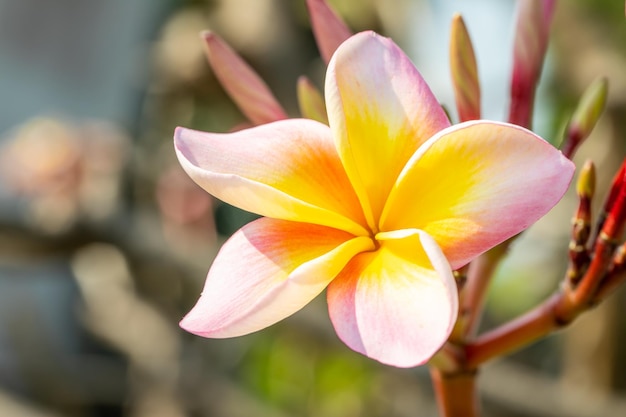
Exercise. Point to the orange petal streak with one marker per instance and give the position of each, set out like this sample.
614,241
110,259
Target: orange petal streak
267,271
288,170
477,184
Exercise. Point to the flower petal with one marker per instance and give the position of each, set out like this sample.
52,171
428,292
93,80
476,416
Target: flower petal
267,271
477,184
329,30
243,85
396,305
380,111
287,169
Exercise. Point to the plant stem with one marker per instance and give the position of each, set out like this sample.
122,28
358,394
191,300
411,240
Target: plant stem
456,393
560,309
514,334
479,277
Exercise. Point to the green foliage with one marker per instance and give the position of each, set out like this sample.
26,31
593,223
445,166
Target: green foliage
295,371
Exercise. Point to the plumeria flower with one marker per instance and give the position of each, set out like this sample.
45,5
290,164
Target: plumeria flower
378,207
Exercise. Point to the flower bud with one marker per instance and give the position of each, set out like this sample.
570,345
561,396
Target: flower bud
585,117
329,30
585,186
311,101
242,83
531,41
615,206
464,71
581,224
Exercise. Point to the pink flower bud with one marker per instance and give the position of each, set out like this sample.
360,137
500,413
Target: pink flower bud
464,71
329,30
531,41
243,85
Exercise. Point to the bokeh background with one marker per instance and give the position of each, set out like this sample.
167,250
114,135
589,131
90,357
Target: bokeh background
105,243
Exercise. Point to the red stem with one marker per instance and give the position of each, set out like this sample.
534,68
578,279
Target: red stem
479,277
456,393
554,313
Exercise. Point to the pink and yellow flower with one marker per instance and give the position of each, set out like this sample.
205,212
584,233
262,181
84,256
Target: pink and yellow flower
378,207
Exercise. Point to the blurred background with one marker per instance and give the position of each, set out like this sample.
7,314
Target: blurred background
105,242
